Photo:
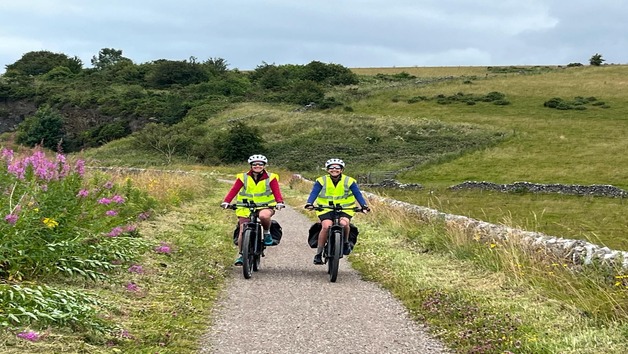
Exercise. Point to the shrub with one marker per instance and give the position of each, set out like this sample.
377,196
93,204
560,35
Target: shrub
240,142
553,102
58,73
494,96
45,128
578,103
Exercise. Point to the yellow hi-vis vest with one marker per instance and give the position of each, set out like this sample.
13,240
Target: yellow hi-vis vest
258,193
338,194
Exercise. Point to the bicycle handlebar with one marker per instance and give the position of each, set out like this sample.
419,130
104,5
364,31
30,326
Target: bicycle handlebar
336,207
250,206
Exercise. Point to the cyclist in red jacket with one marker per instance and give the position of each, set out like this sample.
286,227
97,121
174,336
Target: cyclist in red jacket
260,187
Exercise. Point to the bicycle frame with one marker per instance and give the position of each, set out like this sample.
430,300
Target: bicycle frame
333,249
252,239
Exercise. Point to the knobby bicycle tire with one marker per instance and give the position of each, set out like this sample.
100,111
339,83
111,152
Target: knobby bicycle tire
335,260
248,254
258,247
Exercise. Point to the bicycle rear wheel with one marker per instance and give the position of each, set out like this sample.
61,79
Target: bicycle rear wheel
334,262
248,253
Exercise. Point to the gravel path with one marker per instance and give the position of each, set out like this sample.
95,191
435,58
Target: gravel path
290,306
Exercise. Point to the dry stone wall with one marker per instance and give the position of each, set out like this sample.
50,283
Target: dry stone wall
571,189
576,252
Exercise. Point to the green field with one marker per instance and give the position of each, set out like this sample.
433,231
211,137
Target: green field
544,146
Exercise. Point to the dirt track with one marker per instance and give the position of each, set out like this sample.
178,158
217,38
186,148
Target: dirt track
290,306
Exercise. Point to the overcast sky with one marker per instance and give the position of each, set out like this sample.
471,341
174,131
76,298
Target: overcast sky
353,33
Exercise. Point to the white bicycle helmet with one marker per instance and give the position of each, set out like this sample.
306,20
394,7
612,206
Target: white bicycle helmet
334,162
258,158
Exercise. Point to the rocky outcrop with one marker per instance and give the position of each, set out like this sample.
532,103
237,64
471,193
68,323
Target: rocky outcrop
13,113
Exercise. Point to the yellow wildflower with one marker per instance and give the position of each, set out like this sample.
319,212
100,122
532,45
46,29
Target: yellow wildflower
50,223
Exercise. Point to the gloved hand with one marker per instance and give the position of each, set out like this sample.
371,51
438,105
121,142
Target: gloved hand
309,206
280,206
365,209
224,205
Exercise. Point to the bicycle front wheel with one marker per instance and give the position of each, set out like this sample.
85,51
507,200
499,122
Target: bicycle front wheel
248,253
334,262
257,257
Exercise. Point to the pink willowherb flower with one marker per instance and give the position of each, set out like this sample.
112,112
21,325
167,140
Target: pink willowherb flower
11,219
82,193
7,154
30,335
115,232
108,185
136,268
80,167
163,248
117,199
105,201
111,213
132,287
144,216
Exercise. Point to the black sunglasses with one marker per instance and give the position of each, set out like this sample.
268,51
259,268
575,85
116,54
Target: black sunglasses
258,164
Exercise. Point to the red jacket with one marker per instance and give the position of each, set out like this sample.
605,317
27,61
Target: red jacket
237,185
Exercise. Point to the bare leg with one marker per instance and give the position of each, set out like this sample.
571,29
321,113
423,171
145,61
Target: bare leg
345,225
322,236
265,216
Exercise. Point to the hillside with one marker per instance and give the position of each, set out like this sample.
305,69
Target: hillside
434,126
159,246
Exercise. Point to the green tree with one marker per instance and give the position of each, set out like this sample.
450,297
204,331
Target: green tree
304,92
108,57
165,73
240,142
167,141
41,62
45,128
270,77
332,74
215,66
596,60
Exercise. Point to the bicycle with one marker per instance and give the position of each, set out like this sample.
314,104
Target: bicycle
333,249
252,245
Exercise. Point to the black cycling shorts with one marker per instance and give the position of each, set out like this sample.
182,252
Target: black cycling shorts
330,216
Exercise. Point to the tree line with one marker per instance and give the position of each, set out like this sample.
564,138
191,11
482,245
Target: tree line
163,97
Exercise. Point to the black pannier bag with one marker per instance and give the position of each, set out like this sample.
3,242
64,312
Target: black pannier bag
315,229
275,231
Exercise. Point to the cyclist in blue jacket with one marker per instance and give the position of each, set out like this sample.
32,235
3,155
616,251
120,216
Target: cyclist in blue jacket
340,189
